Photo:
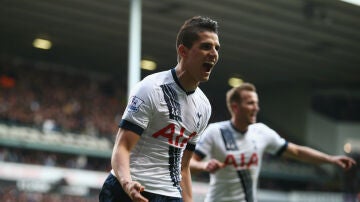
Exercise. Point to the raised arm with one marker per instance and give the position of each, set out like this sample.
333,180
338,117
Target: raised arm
120,161
309,155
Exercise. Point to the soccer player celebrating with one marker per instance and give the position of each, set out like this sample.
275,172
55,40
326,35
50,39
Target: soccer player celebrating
235,148
162,123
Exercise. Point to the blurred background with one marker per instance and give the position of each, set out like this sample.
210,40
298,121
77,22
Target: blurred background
64,79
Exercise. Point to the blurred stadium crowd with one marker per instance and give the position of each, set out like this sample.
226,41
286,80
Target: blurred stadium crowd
52,100
12,194
59,100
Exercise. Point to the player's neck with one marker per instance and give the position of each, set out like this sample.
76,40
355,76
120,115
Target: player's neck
186,82
239,126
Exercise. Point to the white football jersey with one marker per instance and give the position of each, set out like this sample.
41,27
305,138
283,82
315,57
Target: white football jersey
242,155
168,120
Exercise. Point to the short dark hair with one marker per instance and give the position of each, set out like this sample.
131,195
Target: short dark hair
188,32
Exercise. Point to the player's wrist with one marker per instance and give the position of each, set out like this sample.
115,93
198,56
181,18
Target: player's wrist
124,184
204,166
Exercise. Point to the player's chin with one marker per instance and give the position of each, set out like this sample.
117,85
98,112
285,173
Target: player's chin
252,120
204,78
205,75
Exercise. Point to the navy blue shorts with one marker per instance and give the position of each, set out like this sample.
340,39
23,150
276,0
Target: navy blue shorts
113,192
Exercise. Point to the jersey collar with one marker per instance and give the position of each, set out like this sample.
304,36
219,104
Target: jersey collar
173,72
232,125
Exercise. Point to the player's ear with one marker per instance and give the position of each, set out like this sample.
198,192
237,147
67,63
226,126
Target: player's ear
182,51
234,107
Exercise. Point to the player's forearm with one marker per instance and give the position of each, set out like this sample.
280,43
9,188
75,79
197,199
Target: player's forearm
120,164
309,155
314,156
186,185
120,159
196,165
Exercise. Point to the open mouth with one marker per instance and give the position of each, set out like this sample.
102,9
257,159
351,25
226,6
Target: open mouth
208,65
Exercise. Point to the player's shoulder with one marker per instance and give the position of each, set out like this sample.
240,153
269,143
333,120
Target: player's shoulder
157,78
259,127
263,131
152,81
213,130
219,125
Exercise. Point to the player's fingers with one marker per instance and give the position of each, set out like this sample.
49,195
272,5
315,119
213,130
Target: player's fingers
139,187
210,167
136,195
350,163
347,164
139,198
214,166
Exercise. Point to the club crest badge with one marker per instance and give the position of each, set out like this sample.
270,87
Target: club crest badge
134,104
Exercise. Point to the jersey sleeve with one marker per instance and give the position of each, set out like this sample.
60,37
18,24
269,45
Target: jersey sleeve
276,144
204,146
139,109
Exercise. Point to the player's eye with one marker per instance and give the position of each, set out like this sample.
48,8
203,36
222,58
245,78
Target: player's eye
205,46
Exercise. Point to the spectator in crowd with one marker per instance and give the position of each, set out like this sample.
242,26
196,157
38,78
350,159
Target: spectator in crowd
69,102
